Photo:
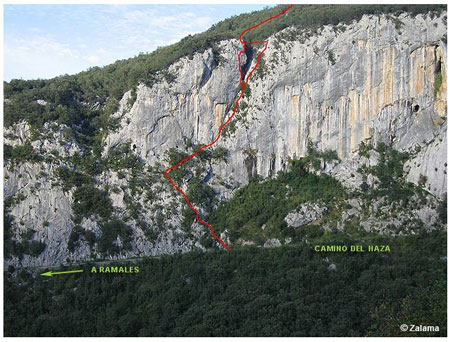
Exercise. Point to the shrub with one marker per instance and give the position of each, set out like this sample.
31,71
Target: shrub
422,180
247,91
71,178
331,57
112,230
437,83
35,248
89,200
329,155
122,157
442,210
364,149
220,154
21,153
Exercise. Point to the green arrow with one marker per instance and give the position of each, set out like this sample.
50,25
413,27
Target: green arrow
50,273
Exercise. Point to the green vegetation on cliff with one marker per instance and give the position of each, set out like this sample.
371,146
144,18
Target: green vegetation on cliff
268,202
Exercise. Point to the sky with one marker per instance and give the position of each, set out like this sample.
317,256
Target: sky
43,41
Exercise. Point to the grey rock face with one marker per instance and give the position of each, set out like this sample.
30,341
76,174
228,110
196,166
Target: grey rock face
379,86
430,165
370,92
347,173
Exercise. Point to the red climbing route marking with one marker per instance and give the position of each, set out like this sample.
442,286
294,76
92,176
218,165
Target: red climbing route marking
243,85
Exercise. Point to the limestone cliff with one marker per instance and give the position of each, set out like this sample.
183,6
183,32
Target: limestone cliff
370,81
366,81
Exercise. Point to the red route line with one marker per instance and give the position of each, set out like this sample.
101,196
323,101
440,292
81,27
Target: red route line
243,85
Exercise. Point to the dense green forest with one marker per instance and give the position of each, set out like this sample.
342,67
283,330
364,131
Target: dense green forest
288,291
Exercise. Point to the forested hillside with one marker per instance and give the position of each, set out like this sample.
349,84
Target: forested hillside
249,292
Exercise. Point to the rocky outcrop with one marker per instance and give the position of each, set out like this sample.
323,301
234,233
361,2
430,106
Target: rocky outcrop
272,243
305,214
387,217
